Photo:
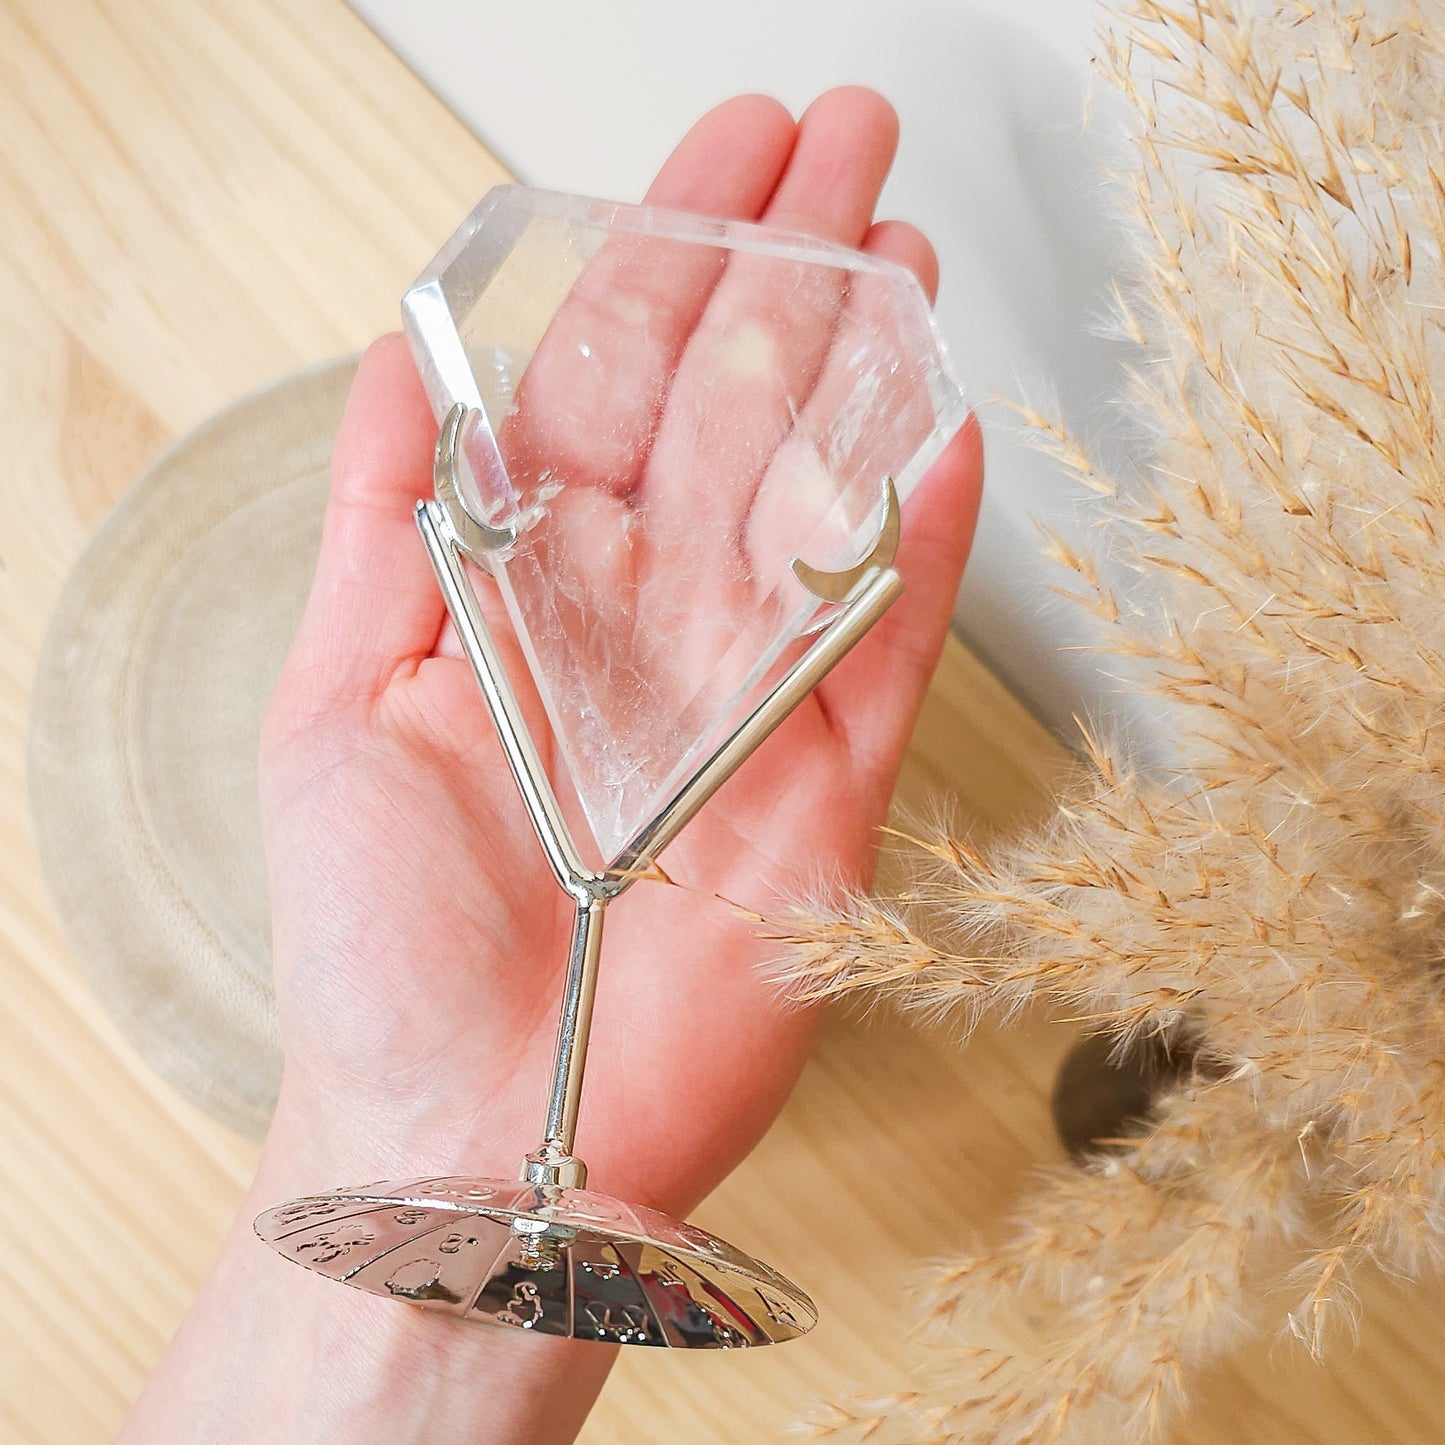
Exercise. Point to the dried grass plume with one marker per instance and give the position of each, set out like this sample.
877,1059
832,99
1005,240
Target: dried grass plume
1278,896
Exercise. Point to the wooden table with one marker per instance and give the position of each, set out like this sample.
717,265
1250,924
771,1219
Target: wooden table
194,198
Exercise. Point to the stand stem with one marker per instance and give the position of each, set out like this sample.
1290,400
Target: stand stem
570,1060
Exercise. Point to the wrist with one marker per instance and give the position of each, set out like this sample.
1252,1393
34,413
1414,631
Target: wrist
272,1351
323,1139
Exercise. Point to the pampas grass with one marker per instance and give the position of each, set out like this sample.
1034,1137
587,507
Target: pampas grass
1276,895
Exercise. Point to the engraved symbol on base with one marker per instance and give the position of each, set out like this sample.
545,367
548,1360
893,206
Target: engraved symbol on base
778,1310
333,1244
524,1308
418,1279
442,1189
727,1337
306,1210
617,1324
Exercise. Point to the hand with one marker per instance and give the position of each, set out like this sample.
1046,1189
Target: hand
419,939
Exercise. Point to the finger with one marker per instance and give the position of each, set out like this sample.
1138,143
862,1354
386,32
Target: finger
767,324
729,163
846,142
872,698
870,409
587,406
908,247
869,703
753,359
374,604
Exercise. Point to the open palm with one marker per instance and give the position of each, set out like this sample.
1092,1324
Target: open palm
419,937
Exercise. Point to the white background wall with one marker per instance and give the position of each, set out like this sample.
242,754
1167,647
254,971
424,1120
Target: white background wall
996,164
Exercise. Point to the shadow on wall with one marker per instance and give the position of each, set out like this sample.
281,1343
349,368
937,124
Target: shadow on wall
1013,184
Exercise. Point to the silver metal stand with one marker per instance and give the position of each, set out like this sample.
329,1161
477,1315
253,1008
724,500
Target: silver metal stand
560,1217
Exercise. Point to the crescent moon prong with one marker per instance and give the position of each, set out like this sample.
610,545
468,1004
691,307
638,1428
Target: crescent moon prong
835,586
478,539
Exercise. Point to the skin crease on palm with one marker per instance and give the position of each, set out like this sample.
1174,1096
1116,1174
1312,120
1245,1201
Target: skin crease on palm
419,938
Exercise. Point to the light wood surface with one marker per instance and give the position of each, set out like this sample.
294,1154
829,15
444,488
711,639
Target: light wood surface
195,197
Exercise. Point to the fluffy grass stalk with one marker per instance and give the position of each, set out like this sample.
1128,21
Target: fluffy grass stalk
1278,893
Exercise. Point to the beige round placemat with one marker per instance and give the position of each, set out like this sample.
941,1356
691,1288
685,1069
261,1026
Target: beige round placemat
155,673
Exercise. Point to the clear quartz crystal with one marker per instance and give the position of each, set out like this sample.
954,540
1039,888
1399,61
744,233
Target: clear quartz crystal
670,409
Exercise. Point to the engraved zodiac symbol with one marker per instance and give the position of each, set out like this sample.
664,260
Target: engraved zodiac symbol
778,1310
410,1216
727,1338
601,1213
438,1190
525,1297
620,1324
453,1242
602,1268
666,1273
416,1280
697,1239
304,1210
334,1243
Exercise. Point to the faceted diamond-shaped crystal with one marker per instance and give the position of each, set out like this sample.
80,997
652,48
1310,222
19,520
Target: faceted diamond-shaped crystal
670,409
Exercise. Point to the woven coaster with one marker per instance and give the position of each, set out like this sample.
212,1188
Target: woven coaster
152,682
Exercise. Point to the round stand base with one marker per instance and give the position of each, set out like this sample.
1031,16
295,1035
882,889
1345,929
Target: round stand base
543,1258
